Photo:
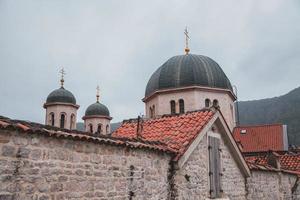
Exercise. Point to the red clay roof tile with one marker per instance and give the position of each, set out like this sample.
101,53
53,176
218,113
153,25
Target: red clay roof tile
177,131
288,160
260,138
34,128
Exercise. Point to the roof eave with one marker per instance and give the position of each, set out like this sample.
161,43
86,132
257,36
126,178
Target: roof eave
203,88
96,116
60,103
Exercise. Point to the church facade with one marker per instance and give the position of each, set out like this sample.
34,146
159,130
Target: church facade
182,149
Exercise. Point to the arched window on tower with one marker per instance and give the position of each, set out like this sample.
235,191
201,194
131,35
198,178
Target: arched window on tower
207,103
99,128
107,129
62,120
151,112
51,119
173,107
216,103
72,122
91,128
181,106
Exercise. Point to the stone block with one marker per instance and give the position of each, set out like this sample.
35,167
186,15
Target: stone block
56,187
6,197
8,151
19,140
36,154
4,138
44,197
23,152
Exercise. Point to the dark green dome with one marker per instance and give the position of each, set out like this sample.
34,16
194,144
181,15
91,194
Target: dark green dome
97,109
188,70
61,95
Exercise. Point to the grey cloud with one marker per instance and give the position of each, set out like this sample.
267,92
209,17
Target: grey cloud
118,44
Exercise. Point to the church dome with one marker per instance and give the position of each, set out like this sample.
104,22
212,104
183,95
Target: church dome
97,109
61,95
188,70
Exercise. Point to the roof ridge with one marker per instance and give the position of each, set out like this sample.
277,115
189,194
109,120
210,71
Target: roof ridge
168,115
259,125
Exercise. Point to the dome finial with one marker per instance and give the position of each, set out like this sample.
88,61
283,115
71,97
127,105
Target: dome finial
63,73
98,93
187,37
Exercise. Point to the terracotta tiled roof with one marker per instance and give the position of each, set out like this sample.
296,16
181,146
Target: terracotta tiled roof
35,128
289,161
260,138
176,131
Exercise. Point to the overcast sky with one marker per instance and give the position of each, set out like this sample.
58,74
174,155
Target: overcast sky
119,44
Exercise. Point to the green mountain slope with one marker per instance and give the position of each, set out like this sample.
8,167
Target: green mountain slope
283,109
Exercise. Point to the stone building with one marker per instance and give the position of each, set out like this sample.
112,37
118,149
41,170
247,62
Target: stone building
188,156
183,149
61,108
187,83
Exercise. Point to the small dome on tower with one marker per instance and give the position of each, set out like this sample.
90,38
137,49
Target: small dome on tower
97,117
188,70
61,95
97,109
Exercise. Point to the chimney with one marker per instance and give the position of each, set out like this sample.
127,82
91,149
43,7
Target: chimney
273,160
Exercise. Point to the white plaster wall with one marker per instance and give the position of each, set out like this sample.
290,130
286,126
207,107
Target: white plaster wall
95,121
57,110
193,100
225,103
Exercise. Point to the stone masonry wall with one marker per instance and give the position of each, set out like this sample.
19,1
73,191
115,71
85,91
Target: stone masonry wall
271,186
192,180
39,167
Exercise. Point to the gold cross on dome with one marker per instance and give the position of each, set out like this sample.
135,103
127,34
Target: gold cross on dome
63,73
98,93
187,37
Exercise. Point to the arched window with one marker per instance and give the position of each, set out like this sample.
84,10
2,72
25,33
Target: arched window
51,119
99,128
91,128
207,103
181,106
172,107
72,121
107,129
216,103
62,120
151,112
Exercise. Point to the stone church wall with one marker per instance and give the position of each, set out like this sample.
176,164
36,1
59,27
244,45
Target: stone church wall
42,168
192,180
272,186
39,167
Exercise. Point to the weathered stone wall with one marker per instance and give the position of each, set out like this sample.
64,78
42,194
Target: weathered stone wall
39,167
192,180
296,192
271,186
